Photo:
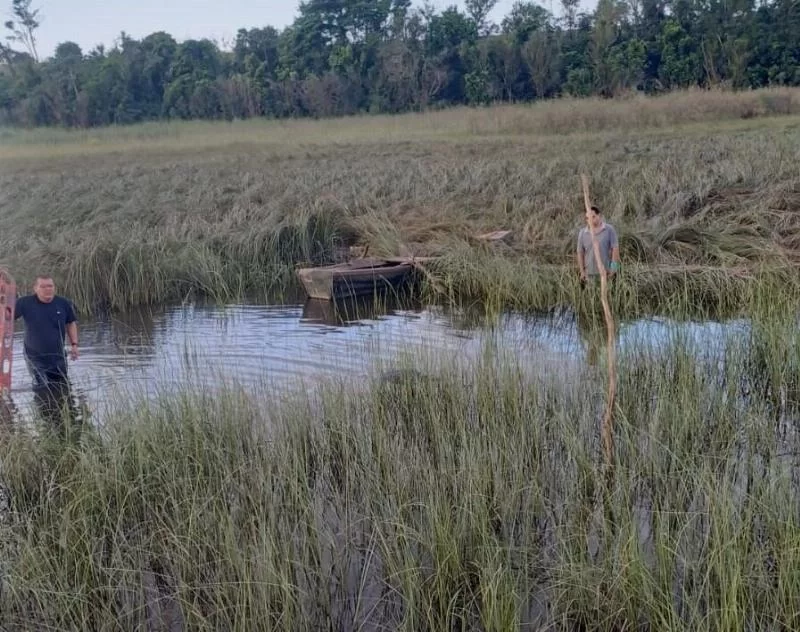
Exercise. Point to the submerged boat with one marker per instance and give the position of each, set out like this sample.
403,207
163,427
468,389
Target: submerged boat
358,277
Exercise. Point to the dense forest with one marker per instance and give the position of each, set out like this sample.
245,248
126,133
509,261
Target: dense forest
349,56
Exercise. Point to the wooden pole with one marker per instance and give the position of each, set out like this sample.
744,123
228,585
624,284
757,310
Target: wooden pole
8,295
607,427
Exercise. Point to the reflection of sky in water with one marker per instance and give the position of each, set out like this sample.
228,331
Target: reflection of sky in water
661,332
147,353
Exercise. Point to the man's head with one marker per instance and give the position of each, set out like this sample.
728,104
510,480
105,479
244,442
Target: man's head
594,217
44,288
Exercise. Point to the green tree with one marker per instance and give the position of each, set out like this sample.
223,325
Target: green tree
257,52
479,11
23,27
681,63
525,19
541,54
502,59
347,56
189,92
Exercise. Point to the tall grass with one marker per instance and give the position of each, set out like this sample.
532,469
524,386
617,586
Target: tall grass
467,499
152,213
548,117
698,292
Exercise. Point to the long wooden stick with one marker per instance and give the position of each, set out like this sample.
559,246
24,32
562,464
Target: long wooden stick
607,427
8,297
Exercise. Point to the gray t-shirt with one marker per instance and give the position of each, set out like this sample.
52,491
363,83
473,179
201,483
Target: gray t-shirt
606,240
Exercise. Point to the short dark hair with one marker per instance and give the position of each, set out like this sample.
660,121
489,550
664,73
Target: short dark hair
42,277
596,210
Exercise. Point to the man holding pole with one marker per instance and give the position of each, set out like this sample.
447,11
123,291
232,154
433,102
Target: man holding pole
607,241
608,247
604,249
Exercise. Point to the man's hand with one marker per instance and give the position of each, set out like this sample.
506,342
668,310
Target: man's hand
583,275
73,352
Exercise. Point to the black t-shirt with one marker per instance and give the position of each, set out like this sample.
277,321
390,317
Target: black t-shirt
45,327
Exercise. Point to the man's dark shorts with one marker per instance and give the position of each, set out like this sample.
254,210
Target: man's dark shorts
46,374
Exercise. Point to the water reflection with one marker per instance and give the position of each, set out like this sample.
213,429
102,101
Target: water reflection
61,409
592,329
473,316
57,408
128,333
353,312
295,346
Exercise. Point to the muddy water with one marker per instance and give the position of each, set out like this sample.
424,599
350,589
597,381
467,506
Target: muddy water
296,346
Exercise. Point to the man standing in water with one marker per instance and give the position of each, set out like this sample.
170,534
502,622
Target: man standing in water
606,240
588,320
48,318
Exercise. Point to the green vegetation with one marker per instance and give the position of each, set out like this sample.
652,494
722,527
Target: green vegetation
463,498
471,499
475,497
343,57
702,187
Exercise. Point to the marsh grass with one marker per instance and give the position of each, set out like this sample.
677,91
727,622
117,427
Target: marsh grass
147,268
696,292
466,498
160,212
559,116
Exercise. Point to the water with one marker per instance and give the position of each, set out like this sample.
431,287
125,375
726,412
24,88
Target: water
297,346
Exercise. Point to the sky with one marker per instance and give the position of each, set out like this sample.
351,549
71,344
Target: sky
93,22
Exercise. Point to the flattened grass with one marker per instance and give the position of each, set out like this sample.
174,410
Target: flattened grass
154,213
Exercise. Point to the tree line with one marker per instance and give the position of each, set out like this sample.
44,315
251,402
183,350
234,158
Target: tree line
342,57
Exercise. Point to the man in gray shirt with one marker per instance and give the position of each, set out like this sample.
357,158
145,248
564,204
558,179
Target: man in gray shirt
607,242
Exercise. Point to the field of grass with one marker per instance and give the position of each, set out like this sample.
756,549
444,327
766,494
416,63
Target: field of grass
468,498
473,499
701,185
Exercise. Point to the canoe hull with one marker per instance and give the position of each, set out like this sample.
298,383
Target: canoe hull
350,281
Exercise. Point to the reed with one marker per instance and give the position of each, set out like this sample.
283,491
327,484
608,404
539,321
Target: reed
471,497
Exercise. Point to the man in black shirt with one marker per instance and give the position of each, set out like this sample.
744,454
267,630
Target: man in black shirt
47,318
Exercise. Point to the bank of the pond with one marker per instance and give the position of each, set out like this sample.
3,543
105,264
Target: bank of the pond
639,290
460,276
450,498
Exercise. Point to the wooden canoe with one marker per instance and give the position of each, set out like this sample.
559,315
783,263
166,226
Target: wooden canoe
358,277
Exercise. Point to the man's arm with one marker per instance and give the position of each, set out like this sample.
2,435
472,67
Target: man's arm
72,330
72,333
